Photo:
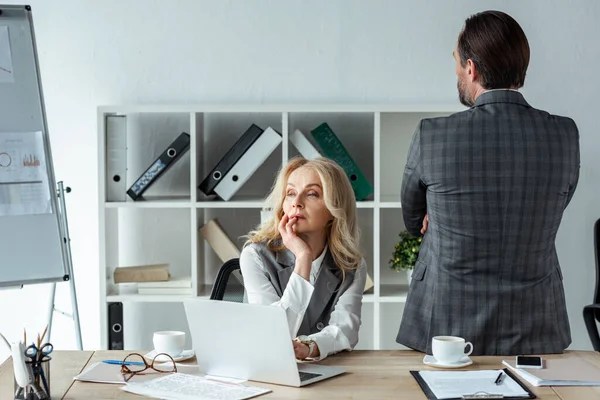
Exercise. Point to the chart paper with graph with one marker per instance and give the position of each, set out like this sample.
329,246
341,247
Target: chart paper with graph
23,174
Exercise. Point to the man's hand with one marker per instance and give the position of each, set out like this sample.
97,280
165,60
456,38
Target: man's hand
425,223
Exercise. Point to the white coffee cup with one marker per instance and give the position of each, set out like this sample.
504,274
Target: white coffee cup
169,342
450,349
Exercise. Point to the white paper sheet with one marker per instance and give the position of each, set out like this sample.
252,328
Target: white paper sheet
24,187
6,65
452,384
224,379
189,387
111,373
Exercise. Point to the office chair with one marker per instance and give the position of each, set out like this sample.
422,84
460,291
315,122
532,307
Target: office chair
591,313
229,284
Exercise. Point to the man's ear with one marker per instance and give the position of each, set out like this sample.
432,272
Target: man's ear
472,70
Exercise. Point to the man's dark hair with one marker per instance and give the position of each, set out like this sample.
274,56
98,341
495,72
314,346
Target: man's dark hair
498,47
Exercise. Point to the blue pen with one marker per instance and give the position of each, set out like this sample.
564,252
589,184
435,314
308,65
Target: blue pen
119,362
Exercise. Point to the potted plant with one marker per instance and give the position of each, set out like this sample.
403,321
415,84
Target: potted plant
406,254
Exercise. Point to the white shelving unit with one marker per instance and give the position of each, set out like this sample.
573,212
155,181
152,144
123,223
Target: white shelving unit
164,227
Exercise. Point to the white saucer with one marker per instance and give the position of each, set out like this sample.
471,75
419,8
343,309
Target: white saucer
463,362
186,355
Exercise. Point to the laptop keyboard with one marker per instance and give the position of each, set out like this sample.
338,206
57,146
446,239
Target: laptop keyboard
304,376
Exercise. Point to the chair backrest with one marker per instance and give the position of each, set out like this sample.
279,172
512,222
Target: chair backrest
597,255
229,284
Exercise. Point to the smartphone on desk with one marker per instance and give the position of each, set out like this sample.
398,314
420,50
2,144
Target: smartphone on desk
529,362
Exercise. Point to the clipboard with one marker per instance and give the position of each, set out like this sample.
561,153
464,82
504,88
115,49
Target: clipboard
478,395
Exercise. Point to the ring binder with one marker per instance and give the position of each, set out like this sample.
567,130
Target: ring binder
232,156
248,163
483,395
168,157
116,157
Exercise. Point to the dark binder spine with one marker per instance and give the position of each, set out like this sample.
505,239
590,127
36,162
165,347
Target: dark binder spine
115,326
207,186
168,157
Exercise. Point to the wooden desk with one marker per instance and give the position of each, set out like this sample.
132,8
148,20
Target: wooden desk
371,375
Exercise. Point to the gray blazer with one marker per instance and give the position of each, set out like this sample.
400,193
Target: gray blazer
494,180
327,289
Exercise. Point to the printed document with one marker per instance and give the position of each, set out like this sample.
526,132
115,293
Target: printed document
24,184
190,387
111,373
453,384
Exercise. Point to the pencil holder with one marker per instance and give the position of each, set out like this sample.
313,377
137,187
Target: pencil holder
39,381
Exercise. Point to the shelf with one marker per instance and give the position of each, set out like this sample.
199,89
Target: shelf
409,107
389,201
365,204
256,203
147,298
157,298
368,298
150,203
378,138
393,293
237,203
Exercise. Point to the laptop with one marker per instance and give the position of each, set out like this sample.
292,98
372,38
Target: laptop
248,341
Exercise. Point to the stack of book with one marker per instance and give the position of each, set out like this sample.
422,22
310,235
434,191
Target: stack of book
152,279
142,273
174,286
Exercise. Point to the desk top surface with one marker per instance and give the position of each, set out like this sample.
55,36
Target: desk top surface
371,375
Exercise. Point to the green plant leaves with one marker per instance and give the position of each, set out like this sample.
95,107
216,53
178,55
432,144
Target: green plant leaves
406,252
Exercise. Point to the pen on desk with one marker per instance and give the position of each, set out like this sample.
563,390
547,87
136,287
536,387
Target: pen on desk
119,362
499,379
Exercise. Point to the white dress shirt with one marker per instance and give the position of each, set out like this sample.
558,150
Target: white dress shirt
342,331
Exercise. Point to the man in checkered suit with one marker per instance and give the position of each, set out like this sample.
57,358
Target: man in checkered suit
488,187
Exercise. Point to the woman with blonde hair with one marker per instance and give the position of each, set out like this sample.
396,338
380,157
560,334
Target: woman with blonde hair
306,259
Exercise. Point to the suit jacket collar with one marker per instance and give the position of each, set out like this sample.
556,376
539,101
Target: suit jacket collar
327,283
500,96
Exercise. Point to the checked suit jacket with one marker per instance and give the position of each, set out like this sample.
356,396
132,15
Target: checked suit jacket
494,180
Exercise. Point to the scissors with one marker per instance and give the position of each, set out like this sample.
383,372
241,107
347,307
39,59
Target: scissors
37,354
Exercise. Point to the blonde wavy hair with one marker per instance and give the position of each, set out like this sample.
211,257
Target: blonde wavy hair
343,235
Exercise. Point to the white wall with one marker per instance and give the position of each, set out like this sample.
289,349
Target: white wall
125,51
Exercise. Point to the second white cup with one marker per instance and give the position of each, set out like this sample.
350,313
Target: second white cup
169,342
449,349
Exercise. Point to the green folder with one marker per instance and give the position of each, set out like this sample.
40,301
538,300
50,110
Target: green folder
334,149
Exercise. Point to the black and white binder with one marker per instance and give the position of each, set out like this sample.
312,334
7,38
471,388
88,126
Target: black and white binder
248,163
229,159
116,157
168,157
